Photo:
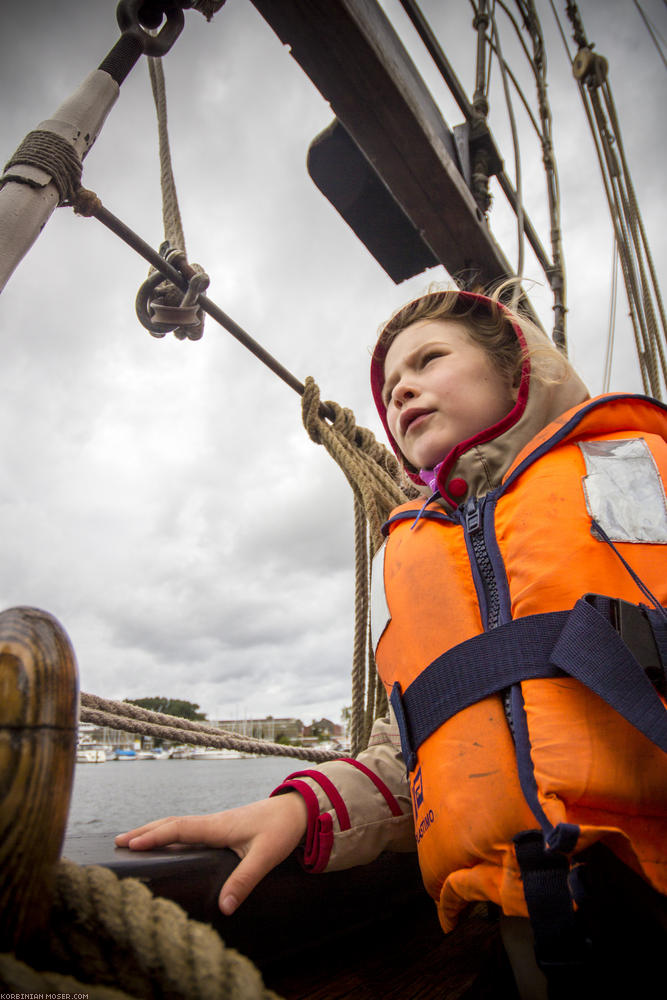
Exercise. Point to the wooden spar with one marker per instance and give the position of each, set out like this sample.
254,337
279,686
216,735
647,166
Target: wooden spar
38,716
351,53
29,195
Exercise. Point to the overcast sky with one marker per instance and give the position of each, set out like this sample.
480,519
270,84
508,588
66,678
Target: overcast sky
161,497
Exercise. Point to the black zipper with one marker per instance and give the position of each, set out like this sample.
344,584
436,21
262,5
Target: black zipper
473,519
484,575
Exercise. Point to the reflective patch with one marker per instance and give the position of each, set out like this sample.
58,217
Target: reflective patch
380,614
623,490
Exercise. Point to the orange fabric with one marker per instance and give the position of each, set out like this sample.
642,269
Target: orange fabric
591,766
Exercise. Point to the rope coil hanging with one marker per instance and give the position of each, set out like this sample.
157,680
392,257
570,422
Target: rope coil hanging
378,486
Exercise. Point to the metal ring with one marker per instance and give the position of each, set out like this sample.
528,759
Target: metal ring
142,307
127,15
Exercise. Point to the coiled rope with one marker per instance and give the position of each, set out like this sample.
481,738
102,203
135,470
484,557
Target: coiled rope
378,485
111,939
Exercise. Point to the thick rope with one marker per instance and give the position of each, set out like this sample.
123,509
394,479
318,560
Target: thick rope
110,938
171,216
20,979
52,154
378,485
133,719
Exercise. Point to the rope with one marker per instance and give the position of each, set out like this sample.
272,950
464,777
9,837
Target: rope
111,939
171,216
611,326
556,275
133,719
656,38
166,297
555,272
54,155
516,292
642,290
378,486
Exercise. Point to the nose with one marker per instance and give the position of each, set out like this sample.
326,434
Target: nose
402,392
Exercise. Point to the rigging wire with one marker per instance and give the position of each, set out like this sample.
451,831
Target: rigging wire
611,328
562,31
642,290
656,37
517,155
537,63
558,276
445,69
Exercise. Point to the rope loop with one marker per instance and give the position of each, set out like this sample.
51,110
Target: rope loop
162,306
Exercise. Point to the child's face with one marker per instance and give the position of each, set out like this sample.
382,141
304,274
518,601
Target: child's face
440,388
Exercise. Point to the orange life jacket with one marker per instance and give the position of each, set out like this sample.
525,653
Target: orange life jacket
581,511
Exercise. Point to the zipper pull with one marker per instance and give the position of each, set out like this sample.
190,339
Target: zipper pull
473,515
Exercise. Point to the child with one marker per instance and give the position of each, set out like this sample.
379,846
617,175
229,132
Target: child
535,495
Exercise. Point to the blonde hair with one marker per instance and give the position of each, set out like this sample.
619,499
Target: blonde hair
488,323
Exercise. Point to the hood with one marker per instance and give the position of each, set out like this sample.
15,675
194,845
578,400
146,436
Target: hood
478,464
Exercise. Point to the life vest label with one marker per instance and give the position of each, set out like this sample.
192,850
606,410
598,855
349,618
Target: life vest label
623,490
417,791
428,819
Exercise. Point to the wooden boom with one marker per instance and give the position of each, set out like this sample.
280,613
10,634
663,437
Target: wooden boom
354,57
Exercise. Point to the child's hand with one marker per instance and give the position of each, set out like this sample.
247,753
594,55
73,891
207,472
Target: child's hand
263,834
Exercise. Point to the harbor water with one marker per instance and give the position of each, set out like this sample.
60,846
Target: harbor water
116,796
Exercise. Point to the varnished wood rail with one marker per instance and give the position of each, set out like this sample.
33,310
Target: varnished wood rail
38,719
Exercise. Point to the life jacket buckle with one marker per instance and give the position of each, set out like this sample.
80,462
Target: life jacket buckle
633,625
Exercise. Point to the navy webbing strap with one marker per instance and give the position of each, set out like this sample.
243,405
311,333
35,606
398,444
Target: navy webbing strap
580,642
558,941
659,629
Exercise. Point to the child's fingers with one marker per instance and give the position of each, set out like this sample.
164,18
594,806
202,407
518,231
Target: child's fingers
173,830
123,839
247,874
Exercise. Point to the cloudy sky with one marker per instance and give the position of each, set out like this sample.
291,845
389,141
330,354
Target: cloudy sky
161,497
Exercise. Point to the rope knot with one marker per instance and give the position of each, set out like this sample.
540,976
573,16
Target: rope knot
86,202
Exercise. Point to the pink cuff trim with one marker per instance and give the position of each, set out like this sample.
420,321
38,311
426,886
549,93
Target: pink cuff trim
319,833
379,784
329,789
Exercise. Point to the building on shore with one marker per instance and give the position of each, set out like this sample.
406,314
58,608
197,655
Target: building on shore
269,728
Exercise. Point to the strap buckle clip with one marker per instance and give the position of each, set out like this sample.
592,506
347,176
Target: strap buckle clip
633,625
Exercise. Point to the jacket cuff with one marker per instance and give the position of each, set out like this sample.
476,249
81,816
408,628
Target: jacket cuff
321,828
319,833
